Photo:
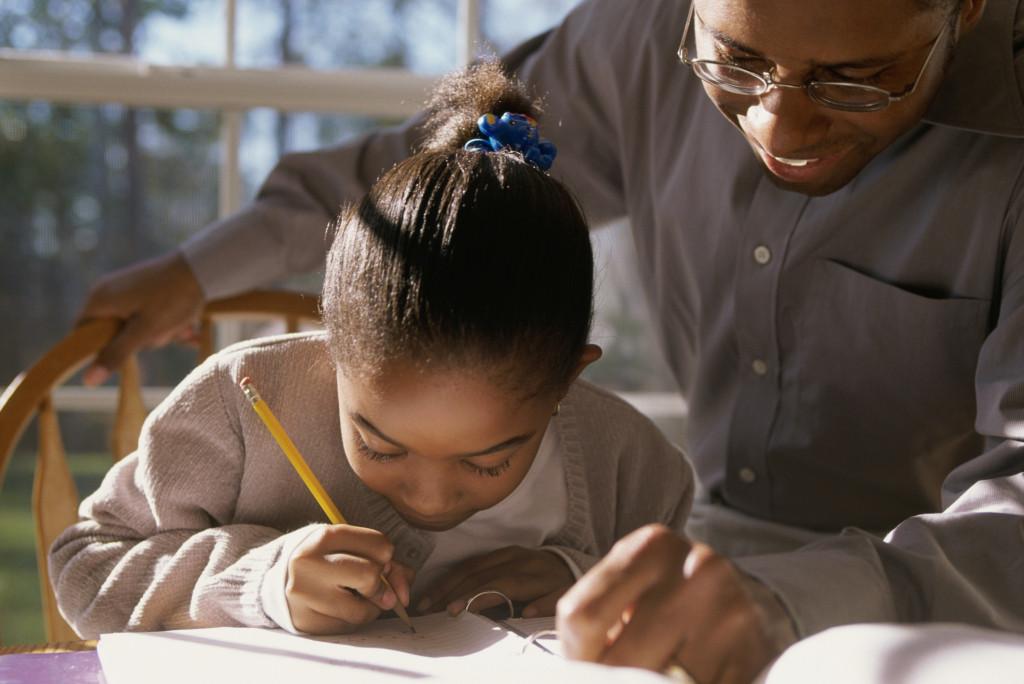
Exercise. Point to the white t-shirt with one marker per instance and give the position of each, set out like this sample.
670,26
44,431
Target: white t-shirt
533,512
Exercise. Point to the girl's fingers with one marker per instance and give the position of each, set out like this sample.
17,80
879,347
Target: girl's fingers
483,603
510,582
356,541
522,574
401,578
340,606
448,586
545,605
466,588
363,576
510,579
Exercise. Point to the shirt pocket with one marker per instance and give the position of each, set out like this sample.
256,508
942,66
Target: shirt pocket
878,387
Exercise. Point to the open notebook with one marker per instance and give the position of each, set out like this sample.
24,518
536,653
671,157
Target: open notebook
465,648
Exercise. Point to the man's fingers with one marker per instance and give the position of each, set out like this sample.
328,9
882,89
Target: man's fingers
699,555
187,335
155,298
710,654
105,301
655,630
730,645
132,336
595,605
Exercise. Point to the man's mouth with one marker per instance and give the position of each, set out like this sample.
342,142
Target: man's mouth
801,170
789,161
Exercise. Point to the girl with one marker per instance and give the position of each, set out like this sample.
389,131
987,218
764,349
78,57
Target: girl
440,408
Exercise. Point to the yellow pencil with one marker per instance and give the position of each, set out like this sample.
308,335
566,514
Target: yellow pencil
304,471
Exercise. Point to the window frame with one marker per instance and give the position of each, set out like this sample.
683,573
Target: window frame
77,79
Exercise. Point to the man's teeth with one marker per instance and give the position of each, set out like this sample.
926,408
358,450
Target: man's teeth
793,162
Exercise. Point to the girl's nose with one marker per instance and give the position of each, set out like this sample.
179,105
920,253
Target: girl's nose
431,496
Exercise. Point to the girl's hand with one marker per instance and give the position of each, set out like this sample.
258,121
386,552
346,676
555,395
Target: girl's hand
528,575
334,581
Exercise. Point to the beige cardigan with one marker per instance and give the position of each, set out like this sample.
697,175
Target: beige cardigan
182,532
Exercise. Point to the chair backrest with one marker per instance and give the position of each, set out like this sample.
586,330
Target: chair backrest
54,496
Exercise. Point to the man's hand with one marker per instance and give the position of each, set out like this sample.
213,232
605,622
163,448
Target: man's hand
334,579
159,301
526,575
656,601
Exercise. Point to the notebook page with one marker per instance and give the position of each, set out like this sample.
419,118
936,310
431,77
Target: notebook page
437,636
384,651
524,627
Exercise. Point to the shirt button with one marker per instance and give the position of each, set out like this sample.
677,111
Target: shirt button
759,367
747,475
762,254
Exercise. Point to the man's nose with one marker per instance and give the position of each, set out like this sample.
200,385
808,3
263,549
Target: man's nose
785,121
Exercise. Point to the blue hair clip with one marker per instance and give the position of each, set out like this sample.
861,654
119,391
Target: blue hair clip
516,131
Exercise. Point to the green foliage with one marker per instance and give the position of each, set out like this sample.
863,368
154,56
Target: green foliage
21,616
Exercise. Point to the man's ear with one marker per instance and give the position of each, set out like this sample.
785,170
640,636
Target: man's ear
970,15
591,353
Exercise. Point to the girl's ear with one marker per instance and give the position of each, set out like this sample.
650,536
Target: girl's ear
591,353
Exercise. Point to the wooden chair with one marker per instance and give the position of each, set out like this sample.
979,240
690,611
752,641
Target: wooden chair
55,497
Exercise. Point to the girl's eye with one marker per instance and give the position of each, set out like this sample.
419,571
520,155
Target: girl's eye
490,471
372,454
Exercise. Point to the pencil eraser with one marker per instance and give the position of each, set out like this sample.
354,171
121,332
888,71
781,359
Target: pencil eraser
245,381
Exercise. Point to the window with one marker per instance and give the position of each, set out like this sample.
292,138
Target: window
126,126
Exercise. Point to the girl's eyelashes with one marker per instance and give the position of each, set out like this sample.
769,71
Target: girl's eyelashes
382,457
490,471
372,454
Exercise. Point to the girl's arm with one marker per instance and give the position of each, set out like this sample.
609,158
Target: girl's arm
155,547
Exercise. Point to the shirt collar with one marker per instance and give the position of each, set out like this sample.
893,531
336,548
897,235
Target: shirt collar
983,90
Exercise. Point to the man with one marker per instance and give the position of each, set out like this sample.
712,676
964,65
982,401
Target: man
827,202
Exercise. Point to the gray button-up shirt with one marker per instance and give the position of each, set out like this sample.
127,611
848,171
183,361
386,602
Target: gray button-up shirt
853,360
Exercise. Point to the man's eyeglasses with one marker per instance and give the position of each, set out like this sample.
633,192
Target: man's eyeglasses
849,97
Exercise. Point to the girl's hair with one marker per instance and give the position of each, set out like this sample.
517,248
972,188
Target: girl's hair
459,257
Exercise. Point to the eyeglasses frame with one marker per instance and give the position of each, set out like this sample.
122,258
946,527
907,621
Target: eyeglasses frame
769,81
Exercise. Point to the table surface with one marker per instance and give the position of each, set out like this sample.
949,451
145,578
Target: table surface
78,667
71,663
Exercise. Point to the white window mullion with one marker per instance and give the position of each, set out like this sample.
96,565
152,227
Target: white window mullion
468,30
230,192
98,79
230,178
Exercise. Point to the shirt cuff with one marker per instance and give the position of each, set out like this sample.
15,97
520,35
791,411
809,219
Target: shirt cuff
275,582
825,586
